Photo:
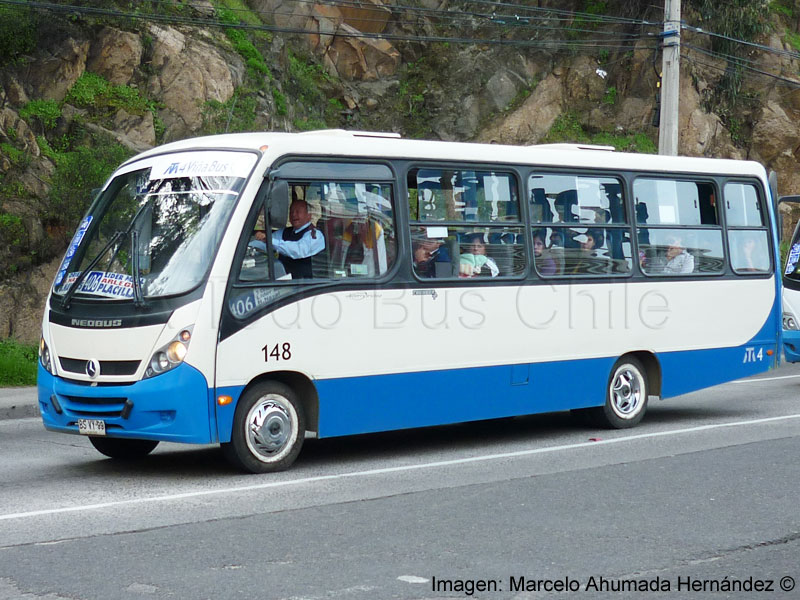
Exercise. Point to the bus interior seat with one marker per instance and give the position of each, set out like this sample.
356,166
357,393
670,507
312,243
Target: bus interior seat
565,202
540,208
448,268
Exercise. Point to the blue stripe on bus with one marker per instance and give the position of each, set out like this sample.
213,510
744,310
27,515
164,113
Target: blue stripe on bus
354,405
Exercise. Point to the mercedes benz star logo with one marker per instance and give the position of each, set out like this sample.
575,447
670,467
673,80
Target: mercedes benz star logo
92,367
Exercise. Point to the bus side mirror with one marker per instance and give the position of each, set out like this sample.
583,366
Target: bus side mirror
279,203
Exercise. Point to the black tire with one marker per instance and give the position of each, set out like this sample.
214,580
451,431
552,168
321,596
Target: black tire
626,395
268,429
123,449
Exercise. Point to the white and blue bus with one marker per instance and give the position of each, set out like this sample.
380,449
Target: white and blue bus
791,293
448,283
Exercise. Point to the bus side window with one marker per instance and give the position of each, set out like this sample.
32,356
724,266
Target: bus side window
255,264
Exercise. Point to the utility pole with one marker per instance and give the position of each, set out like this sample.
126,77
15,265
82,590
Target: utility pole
670,79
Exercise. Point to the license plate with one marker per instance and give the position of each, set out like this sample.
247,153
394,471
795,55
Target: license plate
91,427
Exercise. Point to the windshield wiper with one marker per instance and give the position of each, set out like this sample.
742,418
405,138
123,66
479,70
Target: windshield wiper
65,301
117,237
138,296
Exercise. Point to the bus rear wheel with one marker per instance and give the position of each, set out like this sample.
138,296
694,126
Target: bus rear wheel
626,395
123,449
268,429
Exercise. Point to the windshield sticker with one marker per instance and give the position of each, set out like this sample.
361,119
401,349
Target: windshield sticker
202,164
73,246
100,283
791,261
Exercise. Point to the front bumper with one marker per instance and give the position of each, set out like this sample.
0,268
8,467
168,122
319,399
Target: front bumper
791,345
175,407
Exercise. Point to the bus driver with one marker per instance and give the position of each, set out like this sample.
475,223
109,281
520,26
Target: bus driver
296,245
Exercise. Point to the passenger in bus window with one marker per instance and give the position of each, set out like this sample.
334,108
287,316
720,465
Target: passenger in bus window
425,254
364,248
474,261
749,255
296,245
678,259
591,258
545,263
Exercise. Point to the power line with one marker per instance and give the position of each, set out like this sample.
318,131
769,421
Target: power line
441,15
618,43
569,14
786,53
737,61
200,22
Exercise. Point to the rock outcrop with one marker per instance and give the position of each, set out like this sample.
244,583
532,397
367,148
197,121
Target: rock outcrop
189,72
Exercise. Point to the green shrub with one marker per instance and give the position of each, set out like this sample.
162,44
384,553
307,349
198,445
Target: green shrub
794,40
78,171
281,106
782,7
305,78
567,129
238,113
18,363
333,112
17,33
309,124
46,112
12,231
15,155
93,92
13,241
257,68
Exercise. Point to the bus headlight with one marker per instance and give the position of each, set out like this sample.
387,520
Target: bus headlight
176,352
44,356
169,356
789,322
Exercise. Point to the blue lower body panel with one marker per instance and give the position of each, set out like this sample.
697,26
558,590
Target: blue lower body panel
389,402
173,407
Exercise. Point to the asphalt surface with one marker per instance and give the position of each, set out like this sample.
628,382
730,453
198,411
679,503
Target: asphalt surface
704,490
18,403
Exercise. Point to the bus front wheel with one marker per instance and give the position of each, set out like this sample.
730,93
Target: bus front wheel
626,395
268,429
123,449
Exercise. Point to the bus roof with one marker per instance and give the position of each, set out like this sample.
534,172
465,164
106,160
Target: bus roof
329,143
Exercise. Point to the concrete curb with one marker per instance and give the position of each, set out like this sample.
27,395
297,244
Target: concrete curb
18,403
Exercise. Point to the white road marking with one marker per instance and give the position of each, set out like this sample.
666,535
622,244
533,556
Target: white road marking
385,470
413,579
766,379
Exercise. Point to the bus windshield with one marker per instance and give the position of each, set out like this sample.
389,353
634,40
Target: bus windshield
792,270
156,227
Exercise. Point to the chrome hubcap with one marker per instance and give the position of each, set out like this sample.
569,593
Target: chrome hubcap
626,392
269,428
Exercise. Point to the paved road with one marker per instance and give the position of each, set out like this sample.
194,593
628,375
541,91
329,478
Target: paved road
704,491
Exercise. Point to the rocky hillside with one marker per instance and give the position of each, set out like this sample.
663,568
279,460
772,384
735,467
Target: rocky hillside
87,83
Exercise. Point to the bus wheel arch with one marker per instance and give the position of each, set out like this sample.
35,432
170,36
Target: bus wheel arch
270,422
633,379
652,368
304,389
